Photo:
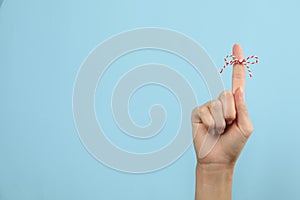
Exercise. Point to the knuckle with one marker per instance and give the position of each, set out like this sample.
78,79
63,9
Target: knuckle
210,123
225,94
201,110
215,104
195,114
194,111
226,98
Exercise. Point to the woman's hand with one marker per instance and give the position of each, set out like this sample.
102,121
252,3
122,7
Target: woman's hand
228,117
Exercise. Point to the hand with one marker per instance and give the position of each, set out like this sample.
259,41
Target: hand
226,116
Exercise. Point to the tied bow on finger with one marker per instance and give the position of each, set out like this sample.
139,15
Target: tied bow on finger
245,62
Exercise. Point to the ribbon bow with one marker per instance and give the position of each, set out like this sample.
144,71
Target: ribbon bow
245,62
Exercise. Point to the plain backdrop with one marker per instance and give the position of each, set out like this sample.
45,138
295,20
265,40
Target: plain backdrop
42,45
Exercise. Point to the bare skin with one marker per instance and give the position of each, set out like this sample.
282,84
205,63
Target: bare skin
227,116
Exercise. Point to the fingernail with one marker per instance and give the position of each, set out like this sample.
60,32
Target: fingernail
230,122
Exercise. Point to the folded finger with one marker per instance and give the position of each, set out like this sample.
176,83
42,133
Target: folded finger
216,110
228,105
202,115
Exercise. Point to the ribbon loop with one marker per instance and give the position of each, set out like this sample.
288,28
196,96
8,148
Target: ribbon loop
250,60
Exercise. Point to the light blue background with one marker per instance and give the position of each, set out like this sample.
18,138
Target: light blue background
42,45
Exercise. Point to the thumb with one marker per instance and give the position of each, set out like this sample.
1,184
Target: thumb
243,119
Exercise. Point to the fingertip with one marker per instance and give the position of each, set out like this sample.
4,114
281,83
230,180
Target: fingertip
238,72
237,51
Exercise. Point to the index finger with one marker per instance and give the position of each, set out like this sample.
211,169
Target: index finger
238,72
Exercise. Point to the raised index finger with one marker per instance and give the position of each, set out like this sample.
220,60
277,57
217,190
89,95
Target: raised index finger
238,73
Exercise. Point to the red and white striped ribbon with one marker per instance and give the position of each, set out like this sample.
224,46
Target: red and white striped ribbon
244,61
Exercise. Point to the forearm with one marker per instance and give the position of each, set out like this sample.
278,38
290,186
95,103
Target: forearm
213,182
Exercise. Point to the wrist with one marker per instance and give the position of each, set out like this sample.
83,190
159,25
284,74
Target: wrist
214,173
215,168
214,181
